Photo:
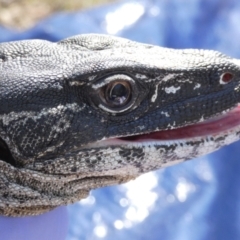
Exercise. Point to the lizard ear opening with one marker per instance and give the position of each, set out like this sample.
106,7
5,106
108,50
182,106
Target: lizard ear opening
5,154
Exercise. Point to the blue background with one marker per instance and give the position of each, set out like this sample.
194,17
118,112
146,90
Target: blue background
198,199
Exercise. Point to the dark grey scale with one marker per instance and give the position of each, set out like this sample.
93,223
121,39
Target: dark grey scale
125,153
219,139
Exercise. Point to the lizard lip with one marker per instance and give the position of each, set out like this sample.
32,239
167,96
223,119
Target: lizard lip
210,127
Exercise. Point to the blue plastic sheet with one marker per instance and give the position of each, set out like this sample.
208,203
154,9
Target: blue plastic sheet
198,199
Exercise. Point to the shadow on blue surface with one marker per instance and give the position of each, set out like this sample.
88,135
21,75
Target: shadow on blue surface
198,199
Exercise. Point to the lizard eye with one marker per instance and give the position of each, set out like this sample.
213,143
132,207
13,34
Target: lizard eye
114,94
118,93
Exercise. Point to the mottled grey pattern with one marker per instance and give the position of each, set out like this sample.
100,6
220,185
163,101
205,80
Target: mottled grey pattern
68,108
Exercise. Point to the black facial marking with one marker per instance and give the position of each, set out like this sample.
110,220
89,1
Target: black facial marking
5,154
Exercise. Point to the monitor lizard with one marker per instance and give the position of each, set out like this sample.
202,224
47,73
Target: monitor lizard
96,110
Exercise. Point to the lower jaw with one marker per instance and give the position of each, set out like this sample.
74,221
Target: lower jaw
152,154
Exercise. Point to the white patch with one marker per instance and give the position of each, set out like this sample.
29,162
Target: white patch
111,79
76,83
197,86
91,78
169,126
169,77
107,109
25,115
154,96
166,114
140,76
141,127
112,111
202,119
50,149
172,89
185,80
183,151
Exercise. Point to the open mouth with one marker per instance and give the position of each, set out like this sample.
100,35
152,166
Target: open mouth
226,124
211,127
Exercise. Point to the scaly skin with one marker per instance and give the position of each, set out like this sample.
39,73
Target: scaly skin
80,114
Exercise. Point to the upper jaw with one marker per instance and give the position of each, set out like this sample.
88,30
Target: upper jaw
225,124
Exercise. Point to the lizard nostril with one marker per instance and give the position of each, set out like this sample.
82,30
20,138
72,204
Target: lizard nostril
226,78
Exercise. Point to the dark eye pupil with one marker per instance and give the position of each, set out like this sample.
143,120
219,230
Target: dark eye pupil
118,94
118,91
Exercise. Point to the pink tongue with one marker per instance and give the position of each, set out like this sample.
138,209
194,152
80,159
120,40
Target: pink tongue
211,127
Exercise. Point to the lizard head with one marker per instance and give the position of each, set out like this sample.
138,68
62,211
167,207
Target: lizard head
96,106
